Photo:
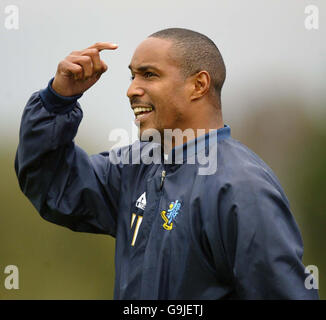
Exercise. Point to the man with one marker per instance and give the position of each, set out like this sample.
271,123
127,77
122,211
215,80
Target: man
183,229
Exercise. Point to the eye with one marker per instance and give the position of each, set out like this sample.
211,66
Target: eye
146,74
149,74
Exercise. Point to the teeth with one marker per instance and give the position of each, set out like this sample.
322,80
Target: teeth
138,110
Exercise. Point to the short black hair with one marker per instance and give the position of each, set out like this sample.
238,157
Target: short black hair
196,52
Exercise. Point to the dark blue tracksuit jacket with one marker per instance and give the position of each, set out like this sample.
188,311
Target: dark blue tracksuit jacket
180,234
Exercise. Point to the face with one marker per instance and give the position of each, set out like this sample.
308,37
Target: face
157,85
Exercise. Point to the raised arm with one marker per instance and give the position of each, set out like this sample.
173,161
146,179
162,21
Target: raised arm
65,185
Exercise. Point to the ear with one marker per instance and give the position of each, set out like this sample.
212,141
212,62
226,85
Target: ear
200,84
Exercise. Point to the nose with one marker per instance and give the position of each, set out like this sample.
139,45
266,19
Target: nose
134,90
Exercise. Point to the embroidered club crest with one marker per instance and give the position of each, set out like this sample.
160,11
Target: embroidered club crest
169,216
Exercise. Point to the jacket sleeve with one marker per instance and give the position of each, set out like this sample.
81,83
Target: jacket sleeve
66,186
261,240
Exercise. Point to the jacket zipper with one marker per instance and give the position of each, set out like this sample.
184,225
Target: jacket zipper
162,178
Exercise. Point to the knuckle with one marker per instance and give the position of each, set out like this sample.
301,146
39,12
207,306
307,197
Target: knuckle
62,65
89,52
70,58
93,51
78,68
87,59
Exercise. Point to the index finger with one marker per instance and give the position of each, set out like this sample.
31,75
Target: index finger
103,46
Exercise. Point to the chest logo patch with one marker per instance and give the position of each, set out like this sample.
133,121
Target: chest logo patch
141,201
170,215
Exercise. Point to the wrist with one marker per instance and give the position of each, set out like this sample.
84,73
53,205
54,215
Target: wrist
54,102
60,90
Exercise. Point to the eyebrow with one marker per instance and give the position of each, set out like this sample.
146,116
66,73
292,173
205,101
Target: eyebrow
143,68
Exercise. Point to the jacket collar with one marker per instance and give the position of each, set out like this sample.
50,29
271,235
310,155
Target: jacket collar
181,153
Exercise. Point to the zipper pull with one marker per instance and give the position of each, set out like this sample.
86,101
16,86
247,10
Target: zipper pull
162,178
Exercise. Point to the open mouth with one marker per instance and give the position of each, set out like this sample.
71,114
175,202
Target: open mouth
142,111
